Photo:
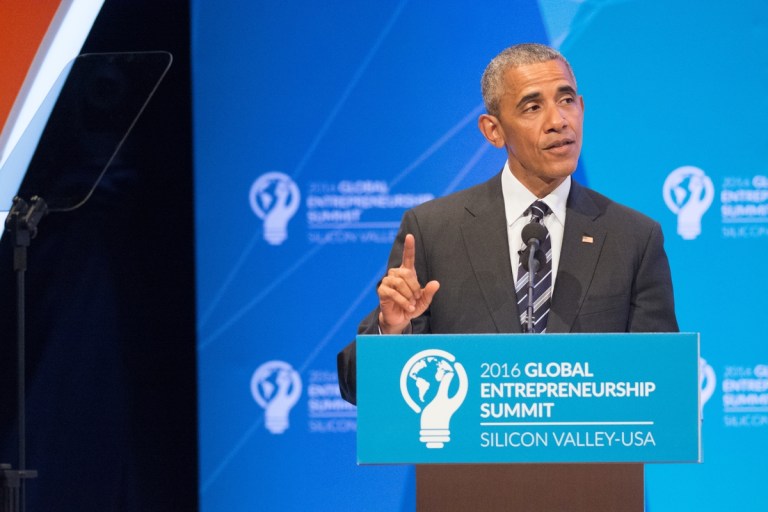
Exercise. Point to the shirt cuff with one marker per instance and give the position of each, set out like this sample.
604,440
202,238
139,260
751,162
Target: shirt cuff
407,330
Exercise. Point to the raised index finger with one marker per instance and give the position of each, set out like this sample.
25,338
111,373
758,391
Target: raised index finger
409,252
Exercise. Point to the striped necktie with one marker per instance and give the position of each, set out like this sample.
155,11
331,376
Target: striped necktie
542,282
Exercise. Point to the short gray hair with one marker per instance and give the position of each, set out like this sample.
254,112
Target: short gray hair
492,83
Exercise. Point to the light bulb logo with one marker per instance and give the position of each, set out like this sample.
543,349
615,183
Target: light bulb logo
276,387
707,383
426,381
688,193
274,198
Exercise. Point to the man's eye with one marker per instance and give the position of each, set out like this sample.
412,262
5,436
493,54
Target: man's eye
531,108
568,99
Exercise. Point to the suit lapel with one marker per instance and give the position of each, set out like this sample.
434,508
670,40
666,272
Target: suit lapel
485,239
582,242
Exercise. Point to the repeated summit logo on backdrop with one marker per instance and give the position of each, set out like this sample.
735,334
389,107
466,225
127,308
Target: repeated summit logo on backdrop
276,387
688,193
707,383
275,198
342,212
425,383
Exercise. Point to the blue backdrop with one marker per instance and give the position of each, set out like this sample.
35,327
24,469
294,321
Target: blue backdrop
318,123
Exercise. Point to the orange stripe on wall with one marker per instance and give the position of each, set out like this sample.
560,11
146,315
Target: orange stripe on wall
23,24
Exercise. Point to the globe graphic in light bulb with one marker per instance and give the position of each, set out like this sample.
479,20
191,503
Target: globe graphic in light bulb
434,385
276,387
688,193
275,198
707,383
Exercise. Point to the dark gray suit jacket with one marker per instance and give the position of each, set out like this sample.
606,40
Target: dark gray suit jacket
613,274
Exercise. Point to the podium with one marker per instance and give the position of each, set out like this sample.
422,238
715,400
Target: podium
529,422
530,487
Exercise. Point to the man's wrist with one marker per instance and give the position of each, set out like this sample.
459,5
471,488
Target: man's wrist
408,329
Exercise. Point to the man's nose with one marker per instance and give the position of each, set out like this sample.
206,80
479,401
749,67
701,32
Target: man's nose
556,120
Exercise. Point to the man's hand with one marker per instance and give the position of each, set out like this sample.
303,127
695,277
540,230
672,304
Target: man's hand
401,297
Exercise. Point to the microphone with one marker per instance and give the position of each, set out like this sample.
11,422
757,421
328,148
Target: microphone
533,236
532,259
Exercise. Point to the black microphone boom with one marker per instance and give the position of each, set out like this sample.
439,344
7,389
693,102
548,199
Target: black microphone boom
533,235
532,259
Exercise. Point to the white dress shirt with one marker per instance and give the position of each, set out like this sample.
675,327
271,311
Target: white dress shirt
517,199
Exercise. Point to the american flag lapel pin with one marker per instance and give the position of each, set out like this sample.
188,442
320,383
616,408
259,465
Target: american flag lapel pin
586,239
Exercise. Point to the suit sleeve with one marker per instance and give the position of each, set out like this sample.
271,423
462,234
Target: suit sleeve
652,307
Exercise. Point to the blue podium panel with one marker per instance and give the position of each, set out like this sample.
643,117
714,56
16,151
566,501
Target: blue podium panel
528,398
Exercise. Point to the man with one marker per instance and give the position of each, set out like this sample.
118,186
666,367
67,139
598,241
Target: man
454,265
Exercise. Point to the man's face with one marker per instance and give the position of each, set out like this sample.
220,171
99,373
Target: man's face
540,123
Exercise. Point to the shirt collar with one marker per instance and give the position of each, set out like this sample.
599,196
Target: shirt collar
517,198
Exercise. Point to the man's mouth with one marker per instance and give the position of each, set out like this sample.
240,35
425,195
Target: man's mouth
559,143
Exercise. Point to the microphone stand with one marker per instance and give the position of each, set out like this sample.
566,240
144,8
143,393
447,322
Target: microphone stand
533,267
533,234
21,223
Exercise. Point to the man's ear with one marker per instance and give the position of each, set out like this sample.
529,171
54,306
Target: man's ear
491,129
